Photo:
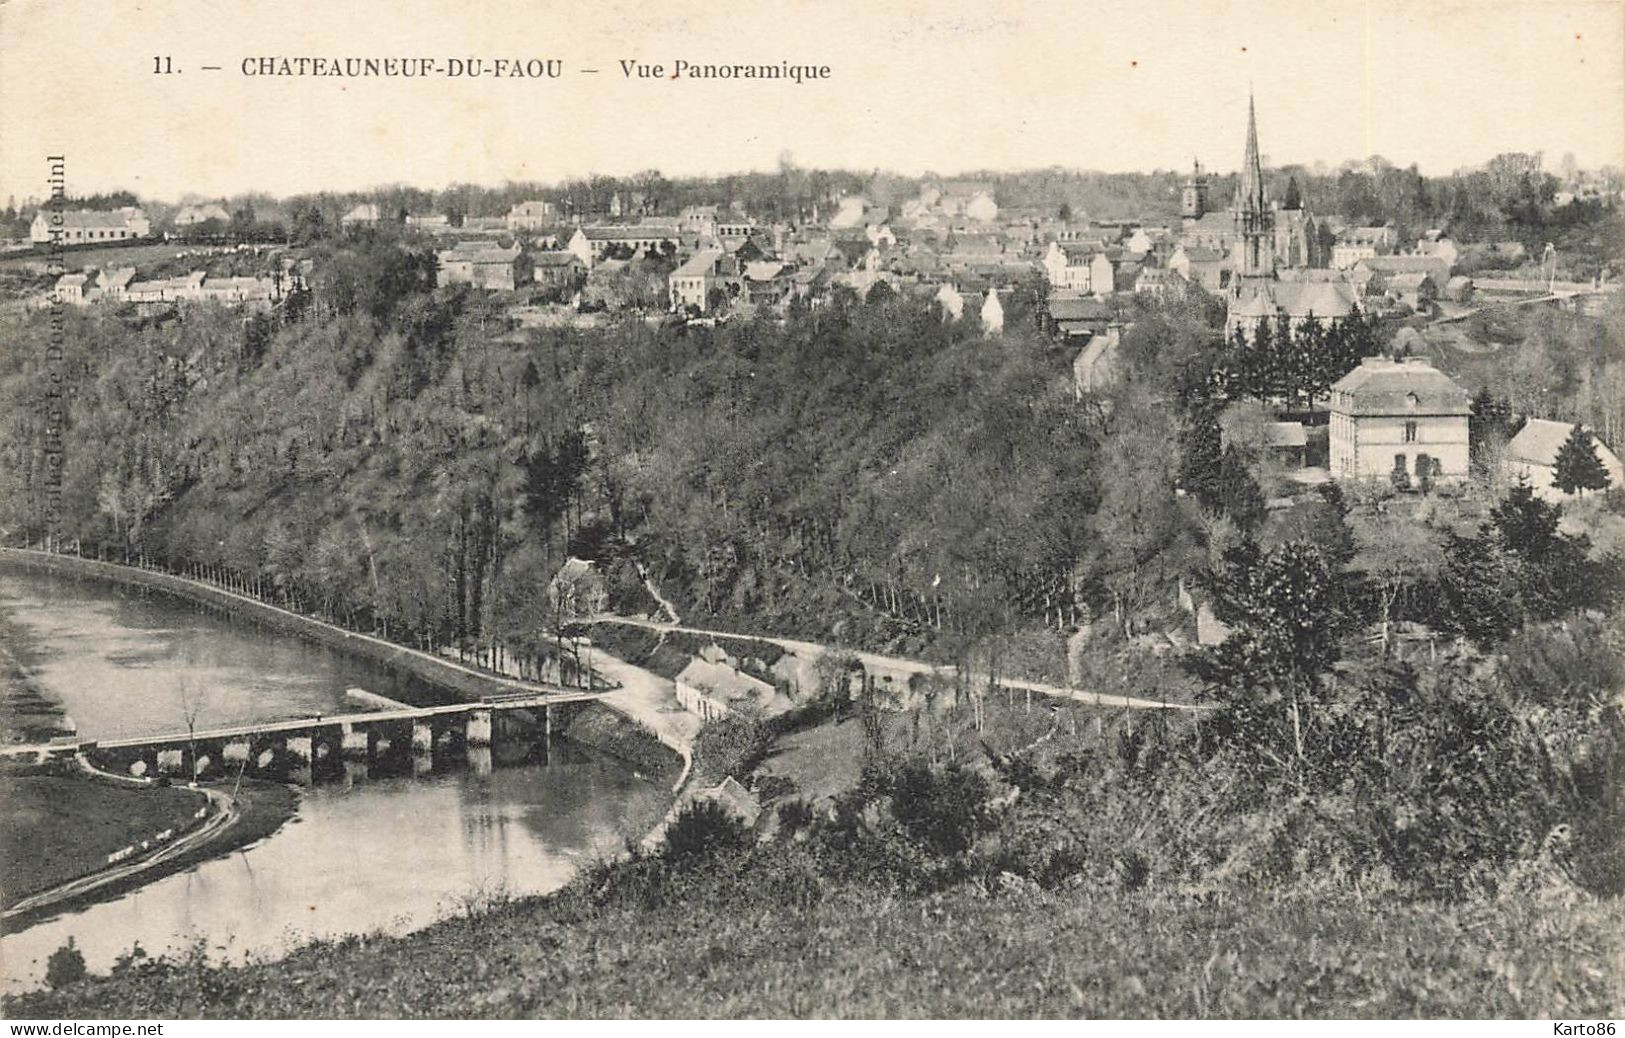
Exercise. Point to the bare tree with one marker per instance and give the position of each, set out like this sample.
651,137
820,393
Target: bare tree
192,696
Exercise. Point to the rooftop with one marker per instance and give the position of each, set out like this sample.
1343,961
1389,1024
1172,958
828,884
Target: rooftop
1380,386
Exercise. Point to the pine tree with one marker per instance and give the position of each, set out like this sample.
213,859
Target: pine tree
1201,457
1293,200
1578,468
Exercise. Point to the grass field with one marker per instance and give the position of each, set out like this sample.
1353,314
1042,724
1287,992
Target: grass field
101,256
719,947
57,827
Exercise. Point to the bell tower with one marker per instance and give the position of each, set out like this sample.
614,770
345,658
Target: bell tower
1193,202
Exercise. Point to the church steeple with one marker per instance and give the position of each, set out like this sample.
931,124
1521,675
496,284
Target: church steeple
1250,189
1255,221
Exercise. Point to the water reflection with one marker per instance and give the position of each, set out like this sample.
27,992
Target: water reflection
366,852
125,661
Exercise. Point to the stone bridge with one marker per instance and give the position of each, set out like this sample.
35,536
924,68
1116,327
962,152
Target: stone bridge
406,740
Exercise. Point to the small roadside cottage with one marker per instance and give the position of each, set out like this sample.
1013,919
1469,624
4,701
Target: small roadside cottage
712,689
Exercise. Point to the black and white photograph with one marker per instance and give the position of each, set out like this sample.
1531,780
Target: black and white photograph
908,510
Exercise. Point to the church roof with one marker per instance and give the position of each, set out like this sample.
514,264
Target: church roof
1078,308
1317,298
1267,297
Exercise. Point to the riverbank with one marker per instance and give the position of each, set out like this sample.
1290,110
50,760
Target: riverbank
638,728
58,827
27,714
258,809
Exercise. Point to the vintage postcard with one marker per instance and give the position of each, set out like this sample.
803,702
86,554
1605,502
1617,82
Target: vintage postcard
969,509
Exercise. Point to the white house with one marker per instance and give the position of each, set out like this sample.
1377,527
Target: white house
71,289
530,216
1361,243
1389,416
713,689
691,284
88,226
593,243
1066,264
1532,455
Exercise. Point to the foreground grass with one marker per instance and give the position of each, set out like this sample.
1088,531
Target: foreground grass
58,827
719,951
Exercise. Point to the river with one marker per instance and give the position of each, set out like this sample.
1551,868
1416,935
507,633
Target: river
387,854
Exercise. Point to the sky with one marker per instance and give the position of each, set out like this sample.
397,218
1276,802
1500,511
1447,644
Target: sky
940,86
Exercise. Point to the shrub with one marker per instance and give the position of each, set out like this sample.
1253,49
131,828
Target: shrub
795,816
65,966
730,745
702,829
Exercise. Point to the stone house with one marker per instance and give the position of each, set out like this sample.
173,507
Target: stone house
1392,416
690,285
1067,265
1199,265
484,265
530,216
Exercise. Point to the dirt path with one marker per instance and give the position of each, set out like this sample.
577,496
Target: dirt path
874,660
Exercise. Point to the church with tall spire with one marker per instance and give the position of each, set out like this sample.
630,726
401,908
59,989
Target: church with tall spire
1254,255
1275,262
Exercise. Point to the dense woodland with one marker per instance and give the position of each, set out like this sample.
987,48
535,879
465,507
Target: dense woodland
391,454
395,455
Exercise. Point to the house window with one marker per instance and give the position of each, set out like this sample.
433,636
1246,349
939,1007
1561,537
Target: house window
1410,432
